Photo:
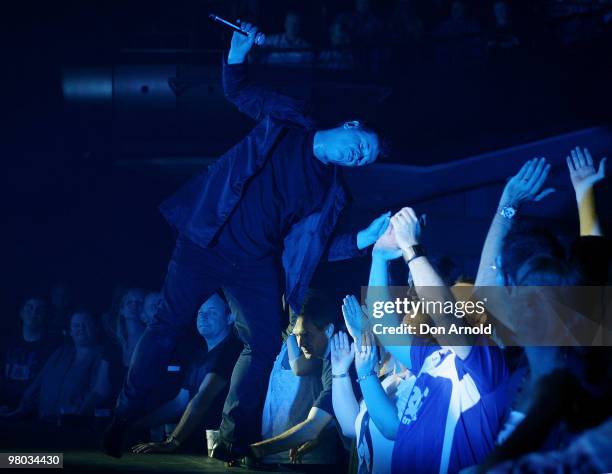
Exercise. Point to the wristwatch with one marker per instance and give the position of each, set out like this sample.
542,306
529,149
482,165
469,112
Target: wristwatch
412,252
508,212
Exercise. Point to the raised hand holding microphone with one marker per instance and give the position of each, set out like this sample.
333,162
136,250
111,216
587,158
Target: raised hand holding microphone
241,44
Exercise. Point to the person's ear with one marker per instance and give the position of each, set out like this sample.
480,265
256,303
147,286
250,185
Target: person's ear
351,124
231,318
329,330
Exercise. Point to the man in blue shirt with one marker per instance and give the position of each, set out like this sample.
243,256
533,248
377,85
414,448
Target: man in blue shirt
457,403
269,204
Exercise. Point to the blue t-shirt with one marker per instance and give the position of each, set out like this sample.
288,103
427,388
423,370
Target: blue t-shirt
454,411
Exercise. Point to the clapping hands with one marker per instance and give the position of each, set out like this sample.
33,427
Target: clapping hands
366,357
355,317
342,353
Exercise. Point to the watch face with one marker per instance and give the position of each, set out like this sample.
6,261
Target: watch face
508,212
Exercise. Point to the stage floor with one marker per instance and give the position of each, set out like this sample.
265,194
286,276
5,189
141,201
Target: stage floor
95,461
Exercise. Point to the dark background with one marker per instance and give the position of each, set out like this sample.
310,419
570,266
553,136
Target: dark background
86,170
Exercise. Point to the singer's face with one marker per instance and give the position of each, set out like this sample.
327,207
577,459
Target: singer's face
352,146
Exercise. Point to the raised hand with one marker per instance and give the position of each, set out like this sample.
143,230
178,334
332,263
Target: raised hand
406,227
386,247
149,448
527,184
342,353
366,357
582,171
371,233
241,45
355,318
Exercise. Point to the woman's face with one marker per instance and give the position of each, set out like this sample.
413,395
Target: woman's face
132,304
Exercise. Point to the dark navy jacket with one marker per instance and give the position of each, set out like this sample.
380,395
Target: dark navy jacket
201,207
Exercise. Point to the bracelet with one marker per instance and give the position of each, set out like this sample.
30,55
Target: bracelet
339,376
413,252
363,377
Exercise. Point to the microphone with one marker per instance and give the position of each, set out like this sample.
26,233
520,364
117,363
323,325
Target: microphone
260,38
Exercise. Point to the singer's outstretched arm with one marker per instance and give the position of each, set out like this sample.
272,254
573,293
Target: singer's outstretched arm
257,102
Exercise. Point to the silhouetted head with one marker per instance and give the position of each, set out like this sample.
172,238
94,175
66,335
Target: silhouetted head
150,308
350,144
339,34
500,12
293,25
458,11
214,317
362,6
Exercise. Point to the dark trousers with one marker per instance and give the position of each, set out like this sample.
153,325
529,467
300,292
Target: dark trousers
253,289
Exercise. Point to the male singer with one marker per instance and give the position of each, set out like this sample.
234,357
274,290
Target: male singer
267,207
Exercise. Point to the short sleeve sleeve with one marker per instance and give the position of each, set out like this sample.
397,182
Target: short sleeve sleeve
223,361
324,400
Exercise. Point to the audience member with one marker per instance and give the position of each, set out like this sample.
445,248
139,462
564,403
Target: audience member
364,25
313,330
150,307
459,37
290,39
374,450
66,382
25,352
406,24
463,380
558,398
591,253
200,401
459,22
294,386
503,34
129,325
339,57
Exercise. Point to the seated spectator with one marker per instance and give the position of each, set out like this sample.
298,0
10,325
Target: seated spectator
290,39
455,377
66,382
25,352
313,330
503,35
406,24
460,38
200,401
129,326
339,57
373,449
150,307
459,22
566,389
295,384
364,25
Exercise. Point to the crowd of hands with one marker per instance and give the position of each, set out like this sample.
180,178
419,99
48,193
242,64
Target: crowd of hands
399,232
